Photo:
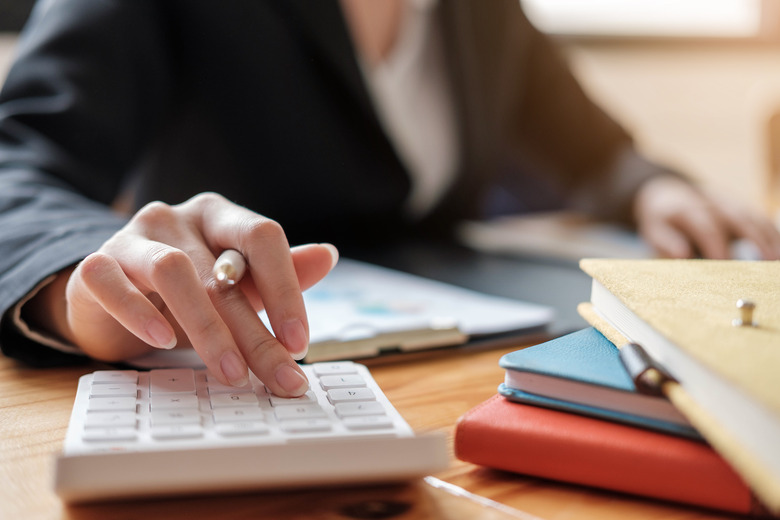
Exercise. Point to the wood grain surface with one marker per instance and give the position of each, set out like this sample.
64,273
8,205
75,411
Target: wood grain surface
430,393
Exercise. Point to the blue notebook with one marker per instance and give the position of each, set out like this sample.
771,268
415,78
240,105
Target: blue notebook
582,373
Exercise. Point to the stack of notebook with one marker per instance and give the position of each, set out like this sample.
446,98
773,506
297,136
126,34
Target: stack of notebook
568,409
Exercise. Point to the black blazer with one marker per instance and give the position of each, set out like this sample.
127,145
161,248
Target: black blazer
263,101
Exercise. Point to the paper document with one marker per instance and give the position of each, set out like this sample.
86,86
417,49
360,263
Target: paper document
360,310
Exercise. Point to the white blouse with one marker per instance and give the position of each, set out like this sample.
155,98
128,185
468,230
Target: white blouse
412,96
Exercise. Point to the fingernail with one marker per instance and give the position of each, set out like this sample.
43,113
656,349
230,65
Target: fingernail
334,253
295,338
291,380
162,335
234,368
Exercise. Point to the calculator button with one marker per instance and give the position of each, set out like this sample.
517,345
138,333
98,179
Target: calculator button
340,395
323,369
308,397
111,404
233,399
300,411
241,413
306,425
113,390
173,402
172,381
235,429
368,422
177,431
352,409
109,434
109,419
342,381
115,377
165,417
215,387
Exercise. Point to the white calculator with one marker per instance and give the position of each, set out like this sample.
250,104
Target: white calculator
179,431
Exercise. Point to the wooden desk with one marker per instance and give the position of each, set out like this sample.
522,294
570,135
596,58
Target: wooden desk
431,394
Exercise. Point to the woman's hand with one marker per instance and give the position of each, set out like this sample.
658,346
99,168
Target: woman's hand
151,285
680,221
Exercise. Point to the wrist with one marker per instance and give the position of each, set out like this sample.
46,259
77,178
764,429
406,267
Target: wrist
45,312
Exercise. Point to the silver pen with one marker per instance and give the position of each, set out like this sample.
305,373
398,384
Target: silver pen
229,267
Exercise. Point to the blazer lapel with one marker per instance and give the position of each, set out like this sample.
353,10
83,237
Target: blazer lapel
323,23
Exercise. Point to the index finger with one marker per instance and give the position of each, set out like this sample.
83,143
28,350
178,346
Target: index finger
758,230
706,230
263,244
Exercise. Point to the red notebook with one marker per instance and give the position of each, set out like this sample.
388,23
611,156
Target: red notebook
583,450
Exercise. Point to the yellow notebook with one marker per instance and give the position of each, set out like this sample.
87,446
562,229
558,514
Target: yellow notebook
683,313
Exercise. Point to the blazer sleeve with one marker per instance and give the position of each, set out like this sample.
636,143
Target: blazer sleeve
88,82
592,156
551,129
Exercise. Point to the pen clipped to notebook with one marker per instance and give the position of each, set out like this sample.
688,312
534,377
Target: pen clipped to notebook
649,377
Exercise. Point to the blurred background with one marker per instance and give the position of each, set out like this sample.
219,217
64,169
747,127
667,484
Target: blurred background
696,81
